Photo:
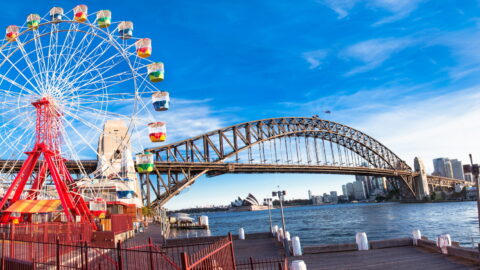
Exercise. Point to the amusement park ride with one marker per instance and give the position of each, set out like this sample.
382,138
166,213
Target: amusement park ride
61,77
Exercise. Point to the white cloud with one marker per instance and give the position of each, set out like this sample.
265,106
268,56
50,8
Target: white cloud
185,119
442,126
374,52
399,8
314,58
341,7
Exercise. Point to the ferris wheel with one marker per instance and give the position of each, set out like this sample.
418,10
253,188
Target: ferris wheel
62,76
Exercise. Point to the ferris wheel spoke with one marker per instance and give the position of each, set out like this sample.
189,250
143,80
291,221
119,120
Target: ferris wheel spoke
75,54
90,110
40,57
94,67
12,132
92,54
20,72
26,58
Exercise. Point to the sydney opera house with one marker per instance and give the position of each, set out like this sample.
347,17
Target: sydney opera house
250,203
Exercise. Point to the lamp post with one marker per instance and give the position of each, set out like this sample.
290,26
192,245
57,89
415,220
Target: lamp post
268,201
281,194
475,172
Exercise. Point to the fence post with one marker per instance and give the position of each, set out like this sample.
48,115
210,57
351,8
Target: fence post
12,240
234,263
251,264
119,255
3,250
86,255
57,251
184,258
150,245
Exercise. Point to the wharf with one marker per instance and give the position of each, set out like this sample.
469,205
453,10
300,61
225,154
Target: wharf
384,254
407,257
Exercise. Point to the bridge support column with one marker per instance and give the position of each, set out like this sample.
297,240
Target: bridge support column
421,184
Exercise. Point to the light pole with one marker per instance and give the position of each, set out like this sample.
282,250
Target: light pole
475,172
281,194
269,201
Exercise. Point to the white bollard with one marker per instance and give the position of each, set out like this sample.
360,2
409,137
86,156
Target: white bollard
299,265
444,241
362,241
297,247
287,235
241,234
204,220
280,235
416,235
275,230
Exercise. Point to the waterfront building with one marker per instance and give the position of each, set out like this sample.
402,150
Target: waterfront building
467,172
344,190
309,194
457,169
333,197
343,199
350,192
317,199
327,198
443,167
359,192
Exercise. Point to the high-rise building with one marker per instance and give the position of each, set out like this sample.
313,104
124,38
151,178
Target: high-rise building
350,191
309,194
368,182
359,192
333,197
443,167
457,169
344,190
467,172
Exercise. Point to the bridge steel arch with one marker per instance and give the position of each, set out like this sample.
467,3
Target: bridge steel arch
179,164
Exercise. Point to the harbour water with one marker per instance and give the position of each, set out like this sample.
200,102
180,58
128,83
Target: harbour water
328,224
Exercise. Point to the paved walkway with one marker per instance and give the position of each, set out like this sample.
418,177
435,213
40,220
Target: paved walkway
257,246
153,231
409,257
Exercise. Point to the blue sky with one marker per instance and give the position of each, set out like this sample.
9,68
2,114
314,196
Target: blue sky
405,72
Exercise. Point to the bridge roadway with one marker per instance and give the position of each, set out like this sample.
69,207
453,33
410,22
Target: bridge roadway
89,166
215,169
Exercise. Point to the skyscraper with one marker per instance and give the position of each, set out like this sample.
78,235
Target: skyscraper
359,190
467,172
457,169
344,190
350,191
443,167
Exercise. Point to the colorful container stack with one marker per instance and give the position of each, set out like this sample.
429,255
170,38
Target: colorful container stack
81,12
33,21
125,30
161,101
104,18
155,72
145,162
56,14
12,33
157,131
144,47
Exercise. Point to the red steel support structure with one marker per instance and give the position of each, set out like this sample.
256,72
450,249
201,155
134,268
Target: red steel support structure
47,144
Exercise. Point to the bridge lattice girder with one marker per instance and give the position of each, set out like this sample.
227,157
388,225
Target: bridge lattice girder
179,164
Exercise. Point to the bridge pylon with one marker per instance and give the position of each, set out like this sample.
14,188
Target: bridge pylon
420,181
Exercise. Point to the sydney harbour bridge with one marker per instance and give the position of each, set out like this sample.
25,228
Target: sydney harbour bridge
278,145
